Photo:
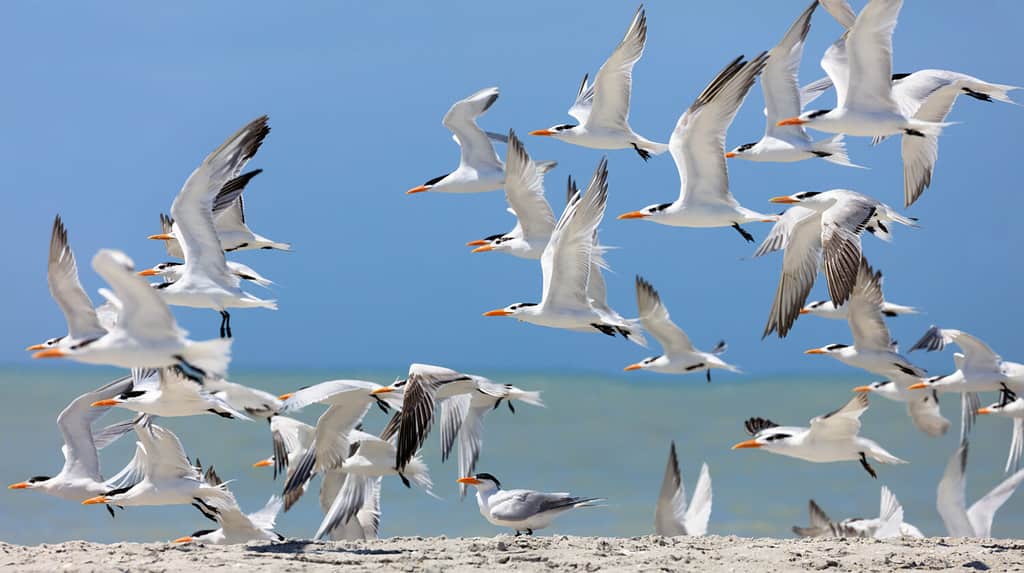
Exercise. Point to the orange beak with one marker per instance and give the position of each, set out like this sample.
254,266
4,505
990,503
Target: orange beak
730,155
791,121
804,311
980,411
148,273
477,243
862,389
636,366
95,500
19,485
784,199
101,403
161,237
383,390
815,351
263,463
482,249
632,215
498,312
284,397
746,444
50,353
918,386
417,189
185,539
36,347
542,132
469,480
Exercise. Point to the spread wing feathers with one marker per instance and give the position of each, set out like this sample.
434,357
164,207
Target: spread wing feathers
130,474
890,516
841,423
865,310
779,80
477,148
110,434
417,415
668,513
781,232
981,513
67,291
921,153
950,498
813,90
837,68
453,412
841,226
332,429
524,190
75,423
266,517
567,257
165,457
978,355
869,51
924,412
655,319
143,313
755,426
329,392
347,503
584,101
697,143
471,441
820,523
230,191
291,438
969,404
799,270
172,245
841,11
614,81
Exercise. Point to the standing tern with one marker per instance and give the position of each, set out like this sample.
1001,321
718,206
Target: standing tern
566,267
1010,406
479,167
672,516
206,281
888,524
782,99
680,357
975,521
698,147
146,335
523,510
602,108
65,288
826,226
828,309
830,438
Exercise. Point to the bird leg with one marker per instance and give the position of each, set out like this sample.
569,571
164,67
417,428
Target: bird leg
225,324
511,408
405,480
529,532
708,374
111,510
743,232
867,466
645,155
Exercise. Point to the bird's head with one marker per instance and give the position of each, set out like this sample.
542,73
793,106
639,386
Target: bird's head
499,242
828,349
882,386
647,212
932,382
427,186
126,396
481,481
161,269
806,198
31,483
557,131
772,439
512,309
805,118
741,151
200,536
645,363
50,343
817,306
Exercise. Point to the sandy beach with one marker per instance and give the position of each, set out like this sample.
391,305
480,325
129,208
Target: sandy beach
504,552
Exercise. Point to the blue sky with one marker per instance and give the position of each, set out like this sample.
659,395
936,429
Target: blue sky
108,107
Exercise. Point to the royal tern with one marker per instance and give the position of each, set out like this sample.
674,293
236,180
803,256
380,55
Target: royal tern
830,438
828,309
672,516
979,370
171,271
166,476
680,357
821,225
567,266
291,439
479,167
146,335
62,277
168,393
523,510
951,501
698,147
206,281
922,407
602,108
235,526
782,99
888,524
1010,406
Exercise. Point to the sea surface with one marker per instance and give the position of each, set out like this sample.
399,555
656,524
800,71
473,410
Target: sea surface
599,435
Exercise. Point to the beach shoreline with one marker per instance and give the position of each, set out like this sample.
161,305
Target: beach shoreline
541,553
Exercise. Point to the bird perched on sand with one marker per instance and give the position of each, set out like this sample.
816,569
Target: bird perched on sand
672,516
888,524
523,510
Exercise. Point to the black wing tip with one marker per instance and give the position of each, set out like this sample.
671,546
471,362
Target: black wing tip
756,425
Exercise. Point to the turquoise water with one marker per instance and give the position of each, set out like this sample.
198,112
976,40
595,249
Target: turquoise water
599,436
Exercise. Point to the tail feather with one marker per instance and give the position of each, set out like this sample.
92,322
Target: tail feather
525,396
986,91
834,151
653,147
417,472
930,128
212,356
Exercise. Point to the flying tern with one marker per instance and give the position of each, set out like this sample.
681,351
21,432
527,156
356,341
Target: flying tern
976,520
828,309
1010,406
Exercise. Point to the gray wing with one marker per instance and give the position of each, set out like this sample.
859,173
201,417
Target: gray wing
453,412
865,310
523,504
347,503
67,291
779,80
668,513
75,424
950,499
841,225
614,81
799,270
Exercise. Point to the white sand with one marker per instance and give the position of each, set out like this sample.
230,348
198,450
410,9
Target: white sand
503,553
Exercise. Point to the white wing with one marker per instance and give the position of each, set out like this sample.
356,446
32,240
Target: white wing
865,311
698,141
584,101
921,153
266,517
779,80
950,499
799,266
471,439
840,424
654,316
841,226
668,513
144,315
976,354
984,510
841,11
524,190
614,81
837,67
477,149
925,413
67,291
172,245
75,424
332,429
869,50
165,458
890,516
699,512
327,392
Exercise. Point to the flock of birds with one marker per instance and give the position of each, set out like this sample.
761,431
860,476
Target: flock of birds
173,376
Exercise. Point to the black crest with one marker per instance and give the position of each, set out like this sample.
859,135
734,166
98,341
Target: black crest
483,476
757,425
817,113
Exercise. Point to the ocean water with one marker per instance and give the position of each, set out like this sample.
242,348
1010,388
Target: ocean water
599,435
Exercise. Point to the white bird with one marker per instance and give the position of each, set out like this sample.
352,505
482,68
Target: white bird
168,393
860,66
672,516
146,335
365,524
171,271
1010,406
479,168
235,526
602,108
80,477
698,147
888,524
828,309
979,369
830,438
167,477
922,407
975,521
680,357
62,277
523,510
206,281
291,439
783,99
567,268
823,225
